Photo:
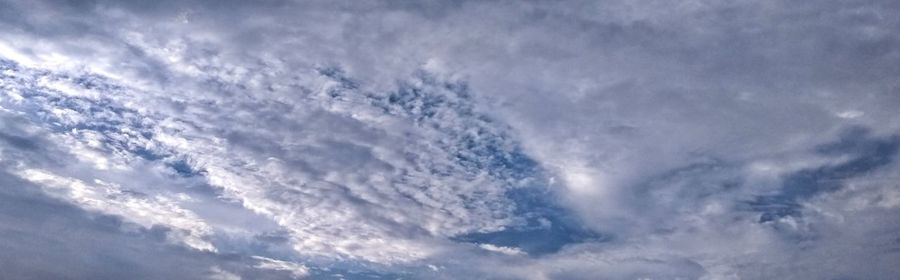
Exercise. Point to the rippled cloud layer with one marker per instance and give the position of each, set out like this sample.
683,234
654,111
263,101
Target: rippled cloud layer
449,140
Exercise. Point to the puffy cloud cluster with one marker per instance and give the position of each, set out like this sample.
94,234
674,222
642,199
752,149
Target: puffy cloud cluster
447,140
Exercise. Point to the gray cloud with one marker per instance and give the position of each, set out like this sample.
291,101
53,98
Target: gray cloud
462,139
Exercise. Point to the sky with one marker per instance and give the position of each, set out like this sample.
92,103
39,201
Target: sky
608,139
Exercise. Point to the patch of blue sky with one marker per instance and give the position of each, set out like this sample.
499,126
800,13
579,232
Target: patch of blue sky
102,115
479,144
866,154
545,227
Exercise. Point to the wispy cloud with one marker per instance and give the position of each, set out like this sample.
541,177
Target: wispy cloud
447,140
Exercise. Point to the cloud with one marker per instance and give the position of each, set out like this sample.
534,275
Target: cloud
579,139
502,250
219,274
296,270
110,199
46,237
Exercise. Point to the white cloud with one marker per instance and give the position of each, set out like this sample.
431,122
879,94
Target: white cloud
297,270
110,199
502,249
217,273
375,132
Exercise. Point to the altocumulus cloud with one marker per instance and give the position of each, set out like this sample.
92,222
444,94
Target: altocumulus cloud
449,140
